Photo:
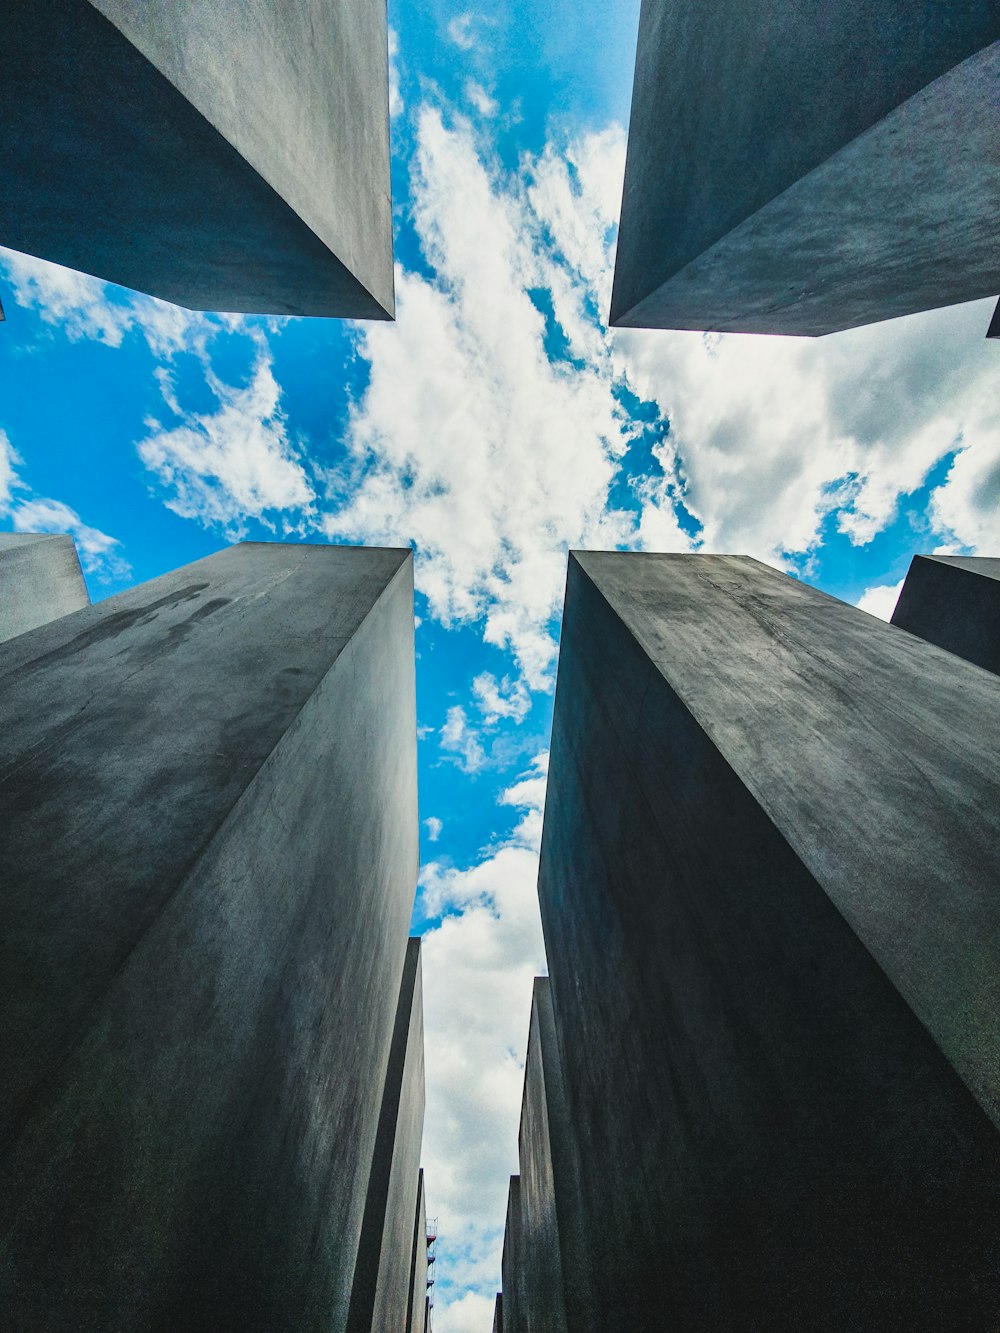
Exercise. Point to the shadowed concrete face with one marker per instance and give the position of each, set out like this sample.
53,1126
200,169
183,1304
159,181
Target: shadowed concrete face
954,601
498,1314
40,580
416,1310
225,157
555,1278
515,1319
768,890
208,852
384,1270
802,167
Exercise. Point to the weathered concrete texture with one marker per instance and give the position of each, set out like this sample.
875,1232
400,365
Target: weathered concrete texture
768,890
511,1275
555,1277
416,1314
40,580
208,853
223,157
383,1274
801,168
954,601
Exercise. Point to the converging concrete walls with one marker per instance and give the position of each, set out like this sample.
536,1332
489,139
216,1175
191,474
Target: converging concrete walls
208,858
383,1276
800,167
225,157
954,601
40,580
768,891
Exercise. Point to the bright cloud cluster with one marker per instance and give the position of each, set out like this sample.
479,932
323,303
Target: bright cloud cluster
478,445
232,464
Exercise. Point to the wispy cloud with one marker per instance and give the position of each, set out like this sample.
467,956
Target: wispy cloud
81,307
461,739
236,463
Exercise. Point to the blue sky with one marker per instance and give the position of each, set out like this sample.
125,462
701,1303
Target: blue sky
496,424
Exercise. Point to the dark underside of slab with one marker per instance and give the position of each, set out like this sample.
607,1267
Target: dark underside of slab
107,168
787,175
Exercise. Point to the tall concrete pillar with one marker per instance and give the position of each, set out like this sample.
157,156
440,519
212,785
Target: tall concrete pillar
381,1296
515,1319
416,1311
208,855
954,601
223,156
40,580
768,889
555,1276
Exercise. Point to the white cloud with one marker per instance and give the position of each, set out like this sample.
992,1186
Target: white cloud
500,699
469,440
8,471
774,434
85,307
485,104
236,463
462,740
529,795
433,826
99,553
460,30
881,600
479,964
396,103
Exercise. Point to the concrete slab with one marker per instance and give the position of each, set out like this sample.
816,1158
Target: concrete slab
498,1314
555,1276
515,1315
208,854
954,601
381,1296
791,172
768,890
416,1309
40,580
225,158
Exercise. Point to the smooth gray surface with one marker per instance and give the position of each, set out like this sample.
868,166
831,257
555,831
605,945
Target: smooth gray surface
416,1313
794,168
223,157
208,853
768,889
382,1277
954,601
514,1311
555,1276
40,580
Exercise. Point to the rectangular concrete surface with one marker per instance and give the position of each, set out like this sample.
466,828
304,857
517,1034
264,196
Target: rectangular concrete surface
208,857
225,157
768,888
381,1296
954,601
800,167
40,580
554,1273
515,1317
416,1314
